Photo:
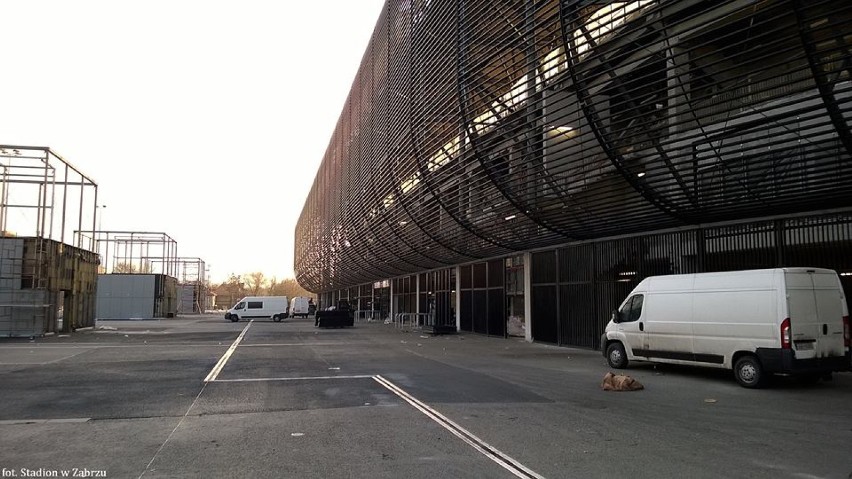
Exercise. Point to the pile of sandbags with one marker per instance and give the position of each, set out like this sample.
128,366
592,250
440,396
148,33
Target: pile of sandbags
620,382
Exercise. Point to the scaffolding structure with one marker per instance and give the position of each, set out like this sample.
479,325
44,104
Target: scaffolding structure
138,275
132,252
46,285
191,284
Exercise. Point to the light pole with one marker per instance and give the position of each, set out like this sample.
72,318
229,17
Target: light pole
96,237
100,215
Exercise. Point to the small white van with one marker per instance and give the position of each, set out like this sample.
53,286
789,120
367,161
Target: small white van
756,322
257,307
299,306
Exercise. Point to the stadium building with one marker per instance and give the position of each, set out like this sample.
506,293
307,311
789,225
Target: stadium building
516,167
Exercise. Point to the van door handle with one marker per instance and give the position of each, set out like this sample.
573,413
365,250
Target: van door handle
641,326
824,329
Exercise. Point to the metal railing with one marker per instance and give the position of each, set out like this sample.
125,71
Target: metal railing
368,314
414,320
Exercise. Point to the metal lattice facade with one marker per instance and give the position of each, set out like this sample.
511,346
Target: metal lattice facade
477,128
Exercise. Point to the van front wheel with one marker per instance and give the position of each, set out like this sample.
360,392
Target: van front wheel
749,372
616,356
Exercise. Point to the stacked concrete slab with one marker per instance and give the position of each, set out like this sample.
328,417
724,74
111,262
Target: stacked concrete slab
45,287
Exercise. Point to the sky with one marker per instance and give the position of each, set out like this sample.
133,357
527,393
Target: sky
205,120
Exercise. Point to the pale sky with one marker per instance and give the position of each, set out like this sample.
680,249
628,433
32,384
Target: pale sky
206,120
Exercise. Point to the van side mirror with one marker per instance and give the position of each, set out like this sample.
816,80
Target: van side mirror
616,318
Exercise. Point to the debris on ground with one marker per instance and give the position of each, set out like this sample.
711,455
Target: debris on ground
620,382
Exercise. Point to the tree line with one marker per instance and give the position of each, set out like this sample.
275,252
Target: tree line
238,286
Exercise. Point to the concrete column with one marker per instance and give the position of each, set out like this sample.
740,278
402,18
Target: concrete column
458,298
528,297
391,309
417,295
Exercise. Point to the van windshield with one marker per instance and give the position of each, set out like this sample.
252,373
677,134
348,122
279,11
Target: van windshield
632,309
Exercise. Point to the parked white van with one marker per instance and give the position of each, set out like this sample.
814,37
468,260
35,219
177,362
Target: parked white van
299,306
256,307
756,322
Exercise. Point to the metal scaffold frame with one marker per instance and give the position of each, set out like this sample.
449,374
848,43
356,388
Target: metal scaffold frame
191,274
46,285
48,177
133,252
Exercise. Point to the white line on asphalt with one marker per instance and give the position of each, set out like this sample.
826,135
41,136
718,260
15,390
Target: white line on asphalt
36,347
252,380
210,377
266,345
182,419
71,420
43,363
3,363
224,359
501,458
69,356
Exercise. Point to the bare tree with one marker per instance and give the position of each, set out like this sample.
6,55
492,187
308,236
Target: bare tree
278,288
132,268
230,291
255,282
291,288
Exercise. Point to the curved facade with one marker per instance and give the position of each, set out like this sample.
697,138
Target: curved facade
477,128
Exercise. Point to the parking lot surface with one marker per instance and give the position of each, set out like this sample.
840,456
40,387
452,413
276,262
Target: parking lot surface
202,397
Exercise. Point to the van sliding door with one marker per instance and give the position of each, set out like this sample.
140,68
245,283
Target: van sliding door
669,325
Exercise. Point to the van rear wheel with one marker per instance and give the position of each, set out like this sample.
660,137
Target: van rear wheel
749,372
616,356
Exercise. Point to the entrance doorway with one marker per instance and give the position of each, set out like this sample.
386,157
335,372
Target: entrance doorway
516,323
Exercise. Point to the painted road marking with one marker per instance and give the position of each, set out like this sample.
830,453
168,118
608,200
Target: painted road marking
308,378
272,345
224,359
71,420
491,452
107,346
182,419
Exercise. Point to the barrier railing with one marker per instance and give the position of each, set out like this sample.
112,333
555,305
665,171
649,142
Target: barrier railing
414,320
368,315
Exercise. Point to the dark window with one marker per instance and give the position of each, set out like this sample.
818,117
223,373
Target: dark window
496,272
544,267
632,309
466,277
479,275
255,305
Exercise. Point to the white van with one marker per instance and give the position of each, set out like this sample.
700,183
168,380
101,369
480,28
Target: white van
299,306
255,307
756,322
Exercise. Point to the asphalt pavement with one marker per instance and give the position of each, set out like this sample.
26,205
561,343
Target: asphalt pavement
203,397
